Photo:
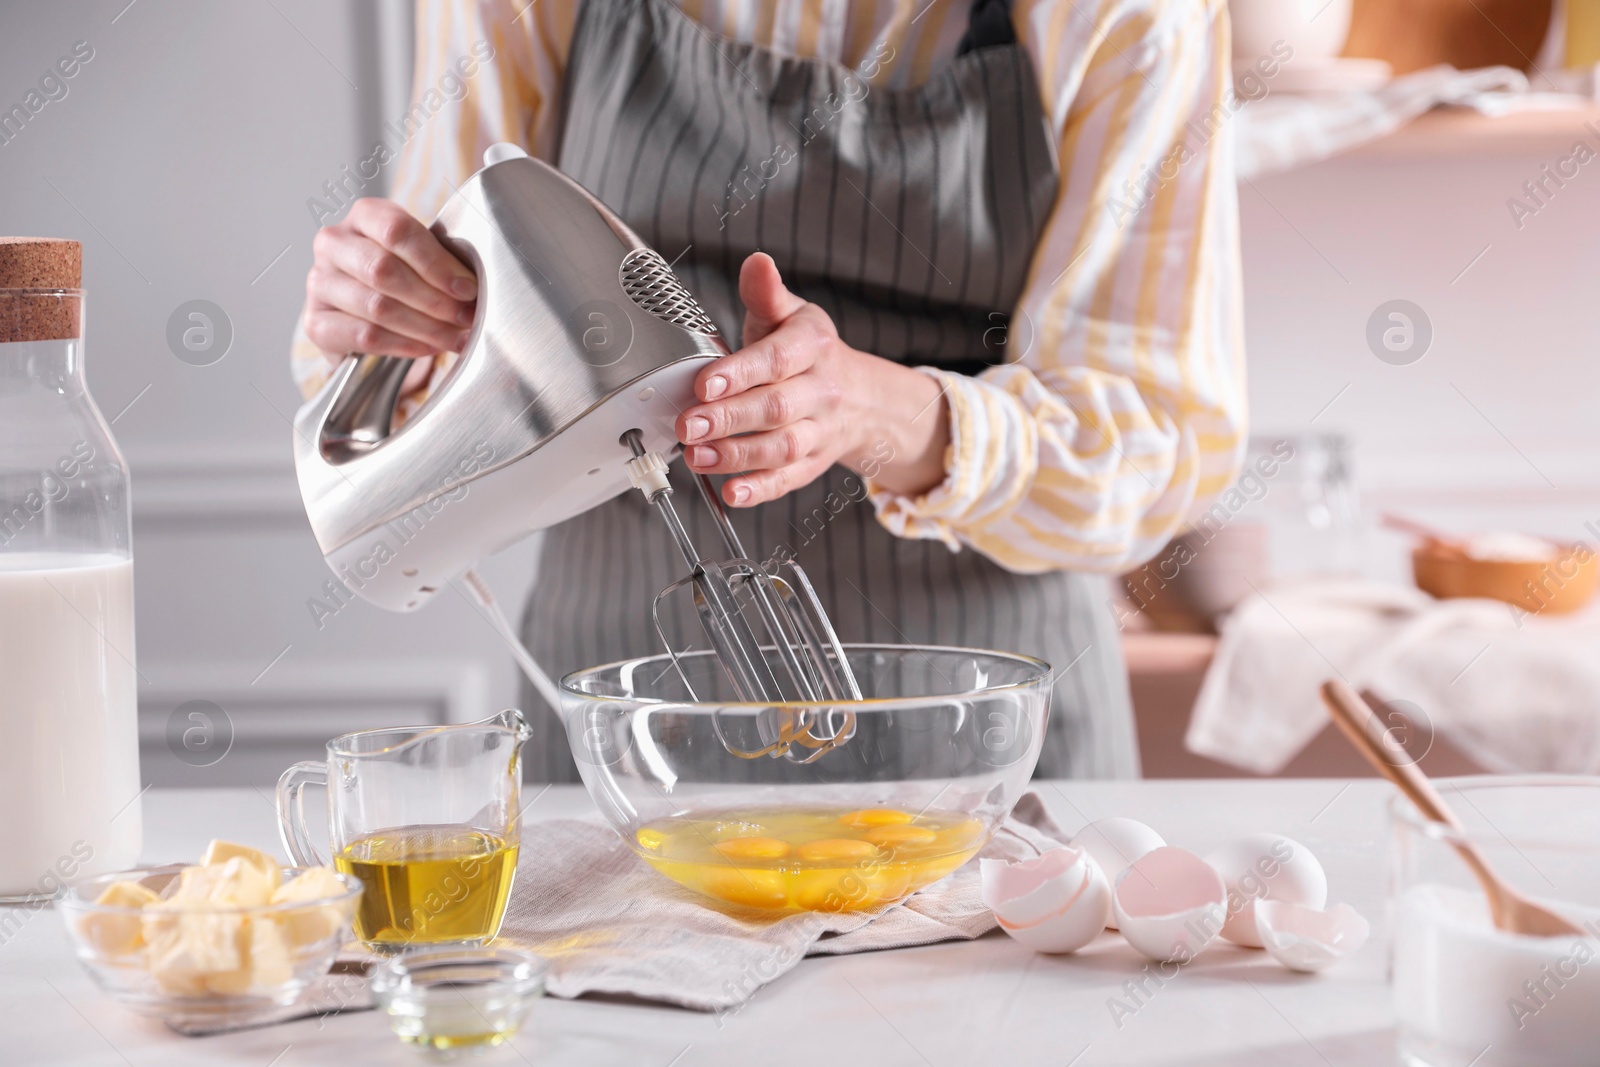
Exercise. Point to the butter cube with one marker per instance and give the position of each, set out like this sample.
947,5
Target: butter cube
192,945
265,964
234,883
271,964
189,949
113,934
219,852
304,926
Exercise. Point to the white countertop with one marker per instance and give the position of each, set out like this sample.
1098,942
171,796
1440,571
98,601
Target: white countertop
961,1003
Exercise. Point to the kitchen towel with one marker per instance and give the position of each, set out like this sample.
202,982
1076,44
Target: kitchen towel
1515,691
610,924
1283,130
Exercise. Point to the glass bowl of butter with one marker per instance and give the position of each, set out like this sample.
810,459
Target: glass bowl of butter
221,943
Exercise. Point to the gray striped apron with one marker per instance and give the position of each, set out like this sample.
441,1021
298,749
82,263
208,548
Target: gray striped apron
910,216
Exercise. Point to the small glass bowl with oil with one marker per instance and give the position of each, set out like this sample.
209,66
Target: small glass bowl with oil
453,1001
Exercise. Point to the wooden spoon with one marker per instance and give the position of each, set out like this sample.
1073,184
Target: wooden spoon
1420,531
1512,912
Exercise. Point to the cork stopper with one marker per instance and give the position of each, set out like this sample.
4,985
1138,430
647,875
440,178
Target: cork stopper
39,263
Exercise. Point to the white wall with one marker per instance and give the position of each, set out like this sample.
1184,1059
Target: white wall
187,148
1495,426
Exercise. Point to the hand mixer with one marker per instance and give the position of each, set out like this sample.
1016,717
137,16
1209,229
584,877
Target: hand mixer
584,349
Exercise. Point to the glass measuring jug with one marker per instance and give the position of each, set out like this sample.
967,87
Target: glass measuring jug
427,817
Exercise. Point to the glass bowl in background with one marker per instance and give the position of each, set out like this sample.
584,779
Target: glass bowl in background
1465,992
247,962
810,806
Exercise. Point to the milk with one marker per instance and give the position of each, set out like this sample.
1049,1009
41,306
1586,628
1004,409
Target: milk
69,743
1466,992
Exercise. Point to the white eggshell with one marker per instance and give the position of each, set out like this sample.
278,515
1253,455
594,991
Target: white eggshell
1170,904
1305,939
1265,867
1114,843
1057,902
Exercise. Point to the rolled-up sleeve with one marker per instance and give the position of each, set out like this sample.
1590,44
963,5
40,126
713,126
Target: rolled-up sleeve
1123,417
485,71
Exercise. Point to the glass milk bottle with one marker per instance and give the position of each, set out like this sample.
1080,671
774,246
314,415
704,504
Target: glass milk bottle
69,746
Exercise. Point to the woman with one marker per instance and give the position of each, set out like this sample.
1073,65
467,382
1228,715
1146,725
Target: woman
985,262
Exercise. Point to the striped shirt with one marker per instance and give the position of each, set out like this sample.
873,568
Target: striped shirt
1123,416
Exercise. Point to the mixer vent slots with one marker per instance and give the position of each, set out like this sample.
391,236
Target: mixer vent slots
649,281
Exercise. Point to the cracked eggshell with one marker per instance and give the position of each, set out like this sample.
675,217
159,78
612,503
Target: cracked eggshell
1114,843
1305,939
1170,904
1265,867
1057,902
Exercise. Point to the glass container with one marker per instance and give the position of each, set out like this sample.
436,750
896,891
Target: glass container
69,770
1465,992
810,807
1302,492
286,947
451,1001
427,817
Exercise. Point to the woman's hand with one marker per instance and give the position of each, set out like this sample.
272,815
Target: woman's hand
796,399
381,283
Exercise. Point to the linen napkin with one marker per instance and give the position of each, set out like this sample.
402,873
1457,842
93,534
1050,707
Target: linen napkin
610,924
1514,691
1285,130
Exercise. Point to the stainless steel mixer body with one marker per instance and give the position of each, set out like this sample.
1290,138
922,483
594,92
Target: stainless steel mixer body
582,333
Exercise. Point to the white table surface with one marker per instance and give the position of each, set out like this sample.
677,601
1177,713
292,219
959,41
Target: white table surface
963,1003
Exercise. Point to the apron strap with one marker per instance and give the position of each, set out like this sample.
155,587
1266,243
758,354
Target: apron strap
989,24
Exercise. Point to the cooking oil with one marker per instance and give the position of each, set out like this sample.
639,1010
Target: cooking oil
454,1000
831,859
429,885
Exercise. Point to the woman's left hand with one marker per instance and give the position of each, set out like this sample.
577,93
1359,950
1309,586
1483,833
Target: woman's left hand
796,399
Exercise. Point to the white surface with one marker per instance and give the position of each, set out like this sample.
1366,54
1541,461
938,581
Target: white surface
189,111
989,1001
185,153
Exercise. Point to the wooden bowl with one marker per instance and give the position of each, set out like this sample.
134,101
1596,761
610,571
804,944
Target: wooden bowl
1556,587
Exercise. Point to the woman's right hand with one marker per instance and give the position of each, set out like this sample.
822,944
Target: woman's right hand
381,283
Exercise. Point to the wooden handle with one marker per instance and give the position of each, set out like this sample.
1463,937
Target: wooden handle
1356,719
1391,521
1511,911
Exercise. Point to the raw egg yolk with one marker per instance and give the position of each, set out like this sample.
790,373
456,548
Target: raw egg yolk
757,889
651,839
837,849
900,836
753,848
870,817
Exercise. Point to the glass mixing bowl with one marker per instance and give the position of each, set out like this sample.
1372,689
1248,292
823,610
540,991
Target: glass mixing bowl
810,806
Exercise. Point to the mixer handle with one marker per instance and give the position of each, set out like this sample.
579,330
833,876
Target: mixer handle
363,413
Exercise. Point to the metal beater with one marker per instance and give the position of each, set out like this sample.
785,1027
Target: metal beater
766,626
